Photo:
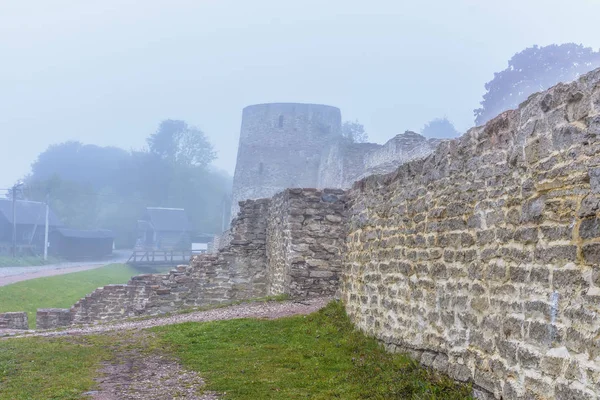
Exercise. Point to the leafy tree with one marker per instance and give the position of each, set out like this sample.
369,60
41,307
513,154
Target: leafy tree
440,128
104,187
180,143
77,162
75,203
354,131
532,70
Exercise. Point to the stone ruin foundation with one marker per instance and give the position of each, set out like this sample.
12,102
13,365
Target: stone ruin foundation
481,260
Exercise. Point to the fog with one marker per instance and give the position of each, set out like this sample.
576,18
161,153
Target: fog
109,72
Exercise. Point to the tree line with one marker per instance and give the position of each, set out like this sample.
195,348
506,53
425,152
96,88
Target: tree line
531,70
90,186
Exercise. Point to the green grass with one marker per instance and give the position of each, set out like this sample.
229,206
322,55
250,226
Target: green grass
61,291
38,368
319,356
29,261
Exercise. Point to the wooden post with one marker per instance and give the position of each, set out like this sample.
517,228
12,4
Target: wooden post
14,216
46,231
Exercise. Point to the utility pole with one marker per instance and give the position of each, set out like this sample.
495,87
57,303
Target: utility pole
14,212
46,230
14,217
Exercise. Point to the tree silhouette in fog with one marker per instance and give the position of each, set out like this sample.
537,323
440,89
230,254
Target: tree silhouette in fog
440,128
355,131
182,144
532,70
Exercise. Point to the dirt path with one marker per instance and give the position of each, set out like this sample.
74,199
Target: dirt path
134,374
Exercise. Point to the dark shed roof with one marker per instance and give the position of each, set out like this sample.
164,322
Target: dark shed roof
86,234
28,213
203,237
168,219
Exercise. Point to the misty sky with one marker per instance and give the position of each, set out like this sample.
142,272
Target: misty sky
107,72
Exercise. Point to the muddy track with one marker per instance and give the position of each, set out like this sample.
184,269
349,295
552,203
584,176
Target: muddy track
134,373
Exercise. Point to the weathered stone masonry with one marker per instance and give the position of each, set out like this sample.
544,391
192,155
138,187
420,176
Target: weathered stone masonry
236,272
306,236
240,269
288,145
482,260
14,320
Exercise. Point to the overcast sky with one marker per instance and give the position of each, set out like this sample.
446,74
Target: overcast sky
107,72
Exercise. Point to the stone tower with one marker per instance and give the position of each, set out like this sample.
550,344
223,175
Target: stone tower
281,145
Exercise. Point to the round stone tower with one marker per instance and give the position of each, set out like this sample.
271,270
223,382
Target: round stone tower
280,147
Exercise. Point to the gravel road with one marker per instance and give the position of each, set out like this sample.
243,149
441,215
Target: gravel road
10,275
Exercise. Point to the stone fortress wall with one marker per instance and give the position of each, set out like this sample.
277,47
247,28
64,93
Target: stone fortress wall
251,265
306,231
280,147
482,260
289,145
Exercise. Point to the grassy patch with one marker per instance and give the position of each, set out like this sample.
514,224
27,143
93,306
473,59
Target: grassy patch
6,261
319,356
38,368
61,291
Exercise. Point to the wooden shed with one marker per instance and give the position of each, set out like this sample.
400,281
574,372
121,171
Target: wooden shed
166,229
77,244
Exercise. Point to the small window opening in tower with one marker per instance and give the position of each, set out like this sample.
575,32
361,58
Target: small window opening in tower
281,121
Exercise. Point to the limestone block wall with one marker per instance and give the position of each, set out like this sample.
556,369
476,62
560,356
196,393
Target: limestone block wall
306,234
14,320
238,271
398,150
289,244
483,259
280,147
219,242
51,318
343,163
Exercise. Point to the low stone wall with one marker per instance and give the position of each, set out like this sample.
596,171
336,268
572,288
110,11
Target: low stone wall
289,244
219,242
52,318
14,320
237,272
306,238
482,260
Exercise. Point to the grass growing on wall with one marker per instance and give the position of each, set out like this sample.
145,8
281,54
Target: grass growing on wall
319,356
61,291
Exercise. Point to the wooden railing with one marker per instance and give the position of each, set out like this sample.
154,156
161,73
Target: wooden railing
159,257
